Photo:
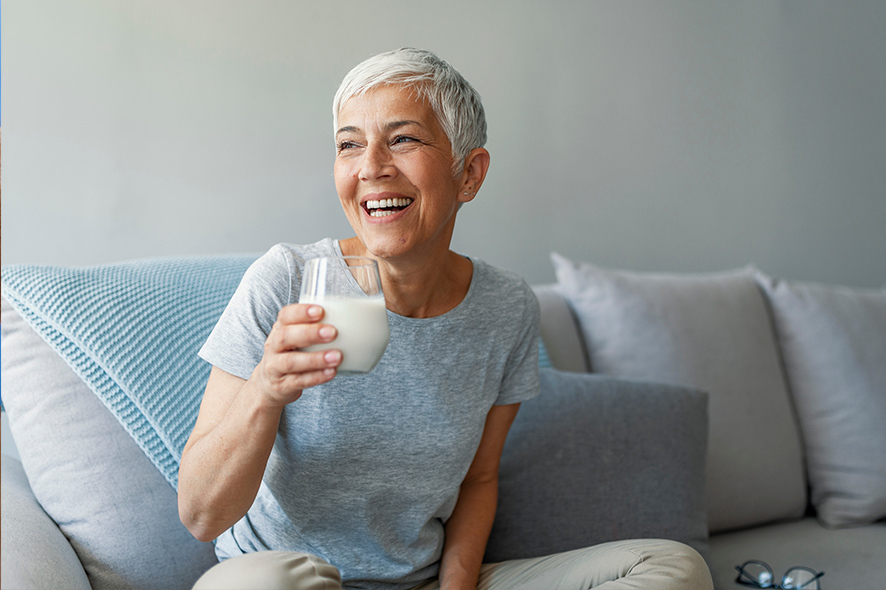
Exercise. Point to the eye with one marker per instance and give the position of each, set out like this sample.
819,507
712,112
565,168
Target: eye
345,145
403,139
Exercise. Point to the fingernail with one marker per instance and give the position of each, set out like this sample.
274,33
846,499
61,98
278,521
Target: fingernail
315,311
327,332
332,356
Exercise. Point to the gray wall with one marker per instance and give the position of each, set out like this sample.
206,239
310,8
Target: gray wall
662,135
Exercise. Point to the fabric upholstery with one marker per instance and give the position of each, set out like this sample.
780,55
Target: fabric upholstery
28,531
833,340
712,332
559,333
116,509
851,558
596,459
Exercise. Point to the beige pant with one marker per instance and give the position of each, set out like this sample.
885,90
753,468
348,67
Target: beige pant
651,564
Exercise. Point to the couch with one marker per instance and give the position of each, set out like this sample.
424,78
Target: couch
734,412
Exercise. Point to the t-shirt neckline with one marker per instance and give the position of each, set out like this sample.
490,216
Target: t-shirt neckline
454,312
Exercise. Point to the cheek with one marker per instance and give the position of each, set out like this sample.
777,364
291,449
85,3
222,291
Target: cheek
344,179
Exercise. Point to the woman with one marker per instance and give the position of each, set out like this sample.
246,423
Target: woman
386,480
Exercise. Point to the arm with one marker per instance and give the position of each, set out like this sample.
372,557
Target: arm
225,457
467,530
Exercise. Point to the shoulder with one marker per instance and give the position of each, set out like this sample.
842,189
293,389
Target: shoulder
285,252
504,289
290,257
277,272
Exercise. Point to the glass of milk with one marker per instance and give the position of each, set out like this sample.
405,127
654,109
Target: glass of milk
348,288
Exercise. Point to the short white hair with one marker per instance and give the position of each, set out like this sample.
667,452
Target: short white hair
456,103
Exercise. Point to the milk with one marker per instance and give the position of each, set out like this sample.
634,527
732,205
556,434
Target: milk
363,333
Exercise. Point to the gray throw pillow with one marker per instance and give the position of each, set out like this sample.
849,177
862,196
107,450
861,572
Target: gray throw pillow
712,332
596,459
833,340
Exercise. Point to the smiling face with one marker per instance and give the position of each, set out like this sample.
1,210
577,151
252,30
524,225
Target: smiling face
394,174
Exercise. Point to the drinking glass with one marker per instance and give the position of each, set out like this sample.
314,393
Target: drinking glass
348,288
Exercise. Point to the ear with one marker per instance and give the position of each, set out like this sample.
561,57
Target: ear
474,173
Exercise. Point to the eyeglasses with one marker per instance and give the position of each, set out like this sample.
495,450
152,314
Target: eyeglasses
758,574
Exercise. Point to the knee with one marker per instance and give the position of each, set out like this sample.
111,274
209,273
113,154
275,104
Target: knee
271,570
685,564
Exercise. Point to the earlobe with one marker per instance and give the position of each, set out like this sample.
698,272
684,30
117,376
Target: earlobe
476,166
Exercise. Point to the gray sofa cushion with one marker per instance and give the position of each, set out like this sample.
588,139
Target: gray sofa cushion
595,459
114,506
712,332
833,340
852,559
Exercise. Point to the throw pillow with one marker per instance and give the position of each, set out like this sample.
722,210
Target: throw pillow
131,331
118,512
833,340
596,459
712,332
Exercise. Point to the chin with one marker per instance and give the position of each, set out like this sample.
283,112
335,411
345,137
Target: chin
387,249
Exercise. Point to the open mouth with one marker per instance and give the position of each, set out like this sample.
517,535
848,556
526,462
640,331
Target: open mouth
385,207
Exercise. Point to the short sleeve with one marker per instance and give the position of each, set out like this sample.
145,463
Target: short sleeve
521,380
236,344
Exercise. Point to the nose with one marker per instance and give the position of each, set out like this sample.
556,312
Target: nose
377,163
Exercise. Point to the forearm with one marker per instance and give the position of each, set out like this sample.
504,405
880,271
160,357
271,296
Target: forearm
221,471
467,532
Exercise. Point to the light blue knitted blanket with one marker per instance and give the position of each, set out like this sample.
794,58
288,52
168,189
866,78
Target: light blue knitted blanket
131,331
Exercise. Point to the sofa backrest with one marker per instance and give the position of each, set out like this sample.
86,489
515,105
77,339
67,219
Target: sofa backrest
559,331
713,332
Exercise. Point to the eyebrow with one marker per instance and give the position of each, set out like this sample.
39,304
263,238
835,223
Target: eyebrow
388,126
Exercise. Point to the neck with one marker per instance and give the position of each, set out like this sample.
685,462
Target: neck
422,287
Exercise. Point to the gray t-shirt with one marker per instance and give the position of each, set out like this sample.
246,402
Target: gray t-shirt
366,469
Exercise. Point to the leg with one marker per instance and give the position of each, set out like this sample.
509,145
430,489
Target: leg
649,564
641,564
271,570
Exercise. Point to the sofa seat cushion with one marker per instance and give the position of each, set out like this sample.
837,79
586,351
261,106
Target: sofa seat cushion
833,340
712,332
596,459
850,558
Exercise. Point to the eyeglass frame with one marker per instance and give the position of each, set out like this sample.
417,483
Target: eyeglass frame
815,576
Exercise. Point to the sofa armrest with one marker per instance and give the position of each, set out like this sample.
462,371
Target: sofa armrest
34,553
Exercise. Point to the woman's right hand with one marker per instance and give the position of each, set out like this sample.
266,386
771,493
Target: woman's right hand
285,370
224,459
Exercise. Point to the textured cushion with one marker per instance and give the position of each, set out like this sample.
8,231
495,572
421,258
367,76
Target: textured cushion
712,332
833,340
117,510
131,330
595,459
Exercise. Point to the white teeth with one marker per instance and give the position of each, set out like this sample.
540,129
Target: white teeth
388,203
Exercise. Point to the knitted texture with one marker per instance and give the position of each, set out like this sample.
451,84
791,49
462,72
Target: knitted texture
131,331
